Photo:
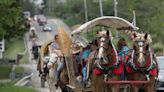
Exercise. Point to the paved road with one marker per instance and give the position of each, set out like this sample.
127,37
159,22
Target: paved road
42,37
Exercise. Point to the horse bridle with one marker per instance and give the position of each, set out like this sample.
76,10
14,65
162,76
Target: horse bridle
106,57
141,45
105,47
141,69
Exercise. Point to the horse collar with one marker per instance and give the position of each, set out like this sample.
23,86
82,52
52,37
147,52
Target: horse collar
143,70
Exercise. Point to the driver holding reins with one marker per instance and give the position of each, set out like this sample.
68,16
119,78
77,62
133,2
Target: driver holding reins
55,48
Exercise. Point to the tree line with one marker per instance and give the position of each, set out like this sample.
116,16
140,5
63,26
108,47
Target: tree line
10,18
149,14
12,21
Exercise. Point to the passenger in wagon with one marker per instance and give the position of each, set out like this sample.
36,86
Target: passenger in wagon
123,49
81,60
76,53
123,53
84,61
89,62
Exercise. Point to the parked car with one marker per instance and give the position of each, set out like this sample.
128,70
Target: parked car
26,14
160,85
47,28
42,20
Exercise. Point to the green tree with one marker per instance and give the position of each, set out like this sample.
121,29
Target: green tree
29,6
149,13
10,18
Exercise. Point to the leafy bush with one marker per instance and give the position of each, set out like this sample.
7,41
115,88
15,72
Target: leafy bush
158,47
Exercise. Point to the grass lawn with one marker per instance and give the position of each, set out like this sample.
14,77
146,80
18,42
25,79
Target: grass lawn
19,69
14,47
25,59
5,71
8,87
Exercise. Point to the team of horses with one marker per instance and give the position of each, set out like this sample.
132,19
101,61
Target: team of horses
106,65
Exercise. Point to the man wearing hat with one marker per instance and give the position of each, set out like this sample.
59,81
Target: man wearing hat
76,50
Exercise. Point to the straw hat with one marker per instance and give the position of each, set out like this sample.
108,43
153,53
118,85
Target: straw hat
77,47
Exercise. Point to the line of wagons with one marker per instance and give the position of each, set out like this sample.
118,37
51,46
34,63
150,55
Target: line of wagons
142,77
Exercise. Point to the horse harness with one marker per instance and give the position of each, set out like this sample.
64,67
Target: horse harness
106,69
143,70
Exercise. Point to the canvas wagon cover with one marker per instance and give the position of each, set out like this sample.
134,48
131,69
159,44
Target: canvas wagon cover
108,21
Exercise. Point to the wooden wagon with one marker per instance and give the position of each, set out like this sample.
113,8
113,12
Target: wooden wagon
105,21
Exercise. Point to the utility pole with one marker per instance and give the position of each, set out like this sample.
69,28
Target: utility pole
86,10
134,18
101,12
115,8
101,8
49,6
116,14
52,6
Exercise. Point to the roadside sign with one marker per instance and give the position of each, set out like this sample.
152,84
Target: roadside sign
2,45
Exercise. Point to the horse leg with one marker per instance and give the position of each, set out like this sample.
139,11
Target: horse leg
115,87
97,83
151,86
94,81
134,88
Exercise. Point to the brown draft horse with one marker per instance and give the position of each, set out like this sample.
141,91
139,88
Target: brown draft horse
142,64
106,65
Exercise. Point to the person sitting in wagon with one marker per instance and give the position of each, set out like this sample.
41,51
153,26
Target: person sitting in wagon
90,53
123,49
123,53
84,61
76,54
55,48
81,59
